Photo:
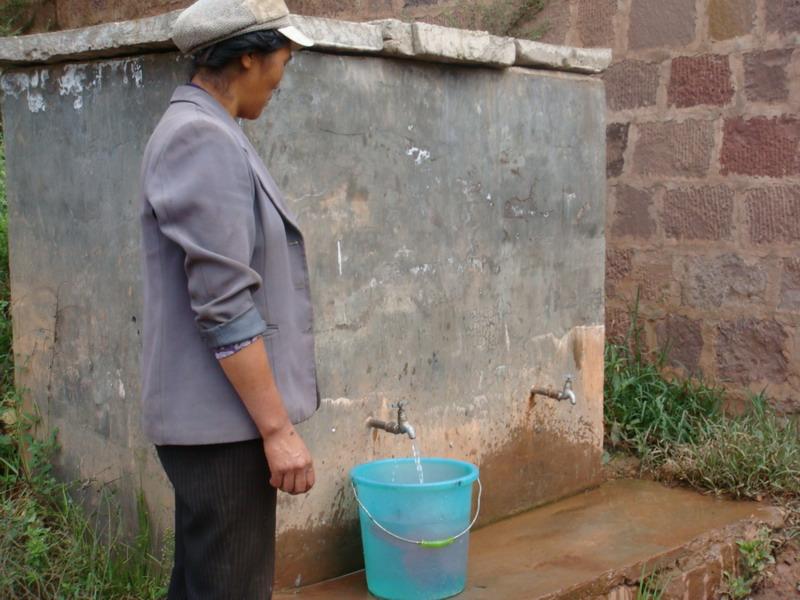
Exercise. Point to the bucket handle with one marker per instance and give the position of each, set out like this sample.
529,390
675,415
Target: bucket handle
423,543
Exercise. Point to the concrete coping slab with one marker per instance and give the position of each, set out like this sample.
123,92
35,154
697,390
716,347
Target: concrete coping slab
111,39
416,41
564,58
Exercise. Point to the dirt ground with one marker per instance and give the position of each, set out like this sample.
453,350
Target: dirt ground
783,582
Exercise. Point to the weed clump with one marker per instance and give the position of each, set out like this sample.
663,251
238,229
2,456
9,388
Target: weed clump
50,547
755,557
752,456
680,431
646,411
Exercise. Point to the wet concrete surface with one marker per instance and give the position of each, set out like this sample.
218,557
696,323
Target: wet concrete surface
564,546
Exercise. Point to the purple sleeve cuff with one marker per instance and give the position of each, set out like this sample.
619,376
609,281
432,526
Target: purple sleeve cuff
231,349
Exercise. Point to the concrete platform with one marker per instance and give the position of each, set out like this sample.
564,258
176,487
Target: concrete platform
589,545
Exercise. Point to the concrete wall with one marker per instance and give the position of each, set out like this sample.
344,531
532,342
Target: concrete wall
455,218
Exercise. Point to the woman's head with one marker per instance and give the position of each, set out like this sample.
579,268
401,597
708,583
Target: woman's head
215,58
249,67
240,48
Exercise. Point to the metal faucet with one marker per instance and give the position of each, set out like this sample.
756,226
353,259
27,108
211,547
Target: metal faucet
566,394
399,427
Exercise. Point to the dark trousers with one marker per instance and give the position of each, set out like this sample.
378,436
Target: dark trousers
224,521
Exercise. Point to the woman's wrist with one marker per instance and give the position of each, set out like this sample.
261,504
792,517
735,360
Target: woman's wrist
274,424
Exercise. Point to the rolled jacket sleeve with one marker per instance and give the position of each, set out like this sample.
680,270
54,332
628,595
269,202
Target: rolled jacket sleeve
202,193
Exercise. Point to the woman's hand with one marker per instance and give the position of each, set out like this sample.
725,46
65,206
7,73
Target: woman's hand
289,461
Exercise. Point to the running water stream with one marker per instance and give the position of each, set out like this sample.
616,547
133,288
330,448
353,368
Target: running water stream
415,451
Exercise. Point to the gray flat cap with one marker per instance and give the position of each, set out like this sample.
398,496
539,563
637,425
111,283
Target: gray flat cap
207,22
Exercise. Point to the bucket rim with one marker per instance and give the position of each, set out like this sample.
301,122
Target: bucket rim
469,478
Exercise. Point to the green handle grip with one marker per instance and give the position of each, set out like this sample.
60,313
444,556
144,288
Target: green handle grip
438,544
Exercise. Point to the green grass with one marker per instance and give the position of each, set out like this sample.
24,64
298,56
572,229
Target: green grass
651,586
15,16
752,456
50,547
680,431
644,410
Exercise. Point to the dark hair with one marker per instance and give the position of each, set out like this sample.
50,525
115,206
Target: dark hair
215,58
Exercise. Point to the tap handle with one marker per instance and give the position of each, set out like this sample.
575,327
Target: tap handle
401,410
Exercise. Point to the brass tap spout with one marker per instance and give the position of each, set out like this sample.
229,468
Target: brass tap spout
399,427
566,394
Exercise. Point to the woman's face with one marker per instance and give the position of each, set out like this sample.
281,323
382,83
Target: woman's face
262,76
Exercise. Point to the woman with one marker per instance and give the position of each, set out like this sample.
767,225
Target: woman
228,361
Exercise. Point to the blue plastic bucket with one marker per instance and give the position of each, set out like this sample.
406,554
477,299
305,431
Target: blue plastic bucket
415,536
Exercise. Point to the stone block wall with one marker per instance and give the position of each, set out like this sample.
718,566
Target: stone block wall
703,168
703,164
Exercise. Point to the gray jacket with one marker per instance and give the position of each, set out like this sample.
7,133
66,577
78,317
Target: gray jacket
224,262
